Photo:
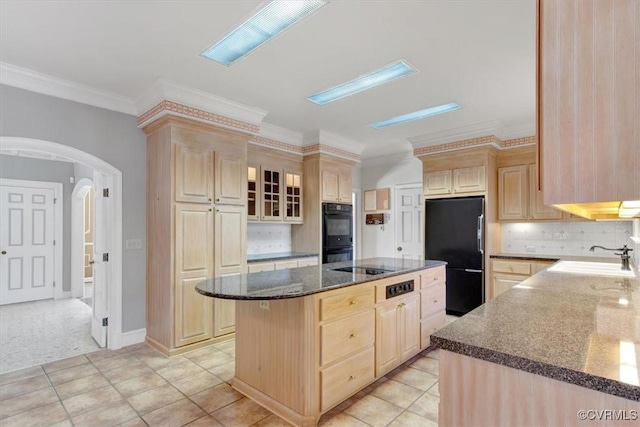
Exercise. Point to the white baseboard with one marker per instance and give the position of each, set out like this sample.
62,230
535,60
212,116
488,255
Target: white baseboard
67,294
134,337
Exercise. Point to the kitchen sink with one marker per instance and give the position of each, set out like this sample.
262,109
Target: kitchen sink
591,268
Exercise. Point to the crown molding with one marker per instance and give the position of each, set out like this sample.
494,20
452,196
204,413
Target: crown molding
396,158
281,134
166,96
33,81
325,138
477,130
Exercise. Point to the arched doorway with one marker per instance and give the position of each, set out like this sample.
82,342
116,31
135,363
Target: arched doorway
109,217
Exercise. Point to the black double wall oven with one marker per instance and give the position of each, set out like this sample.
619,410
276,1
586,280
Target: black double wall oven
337,232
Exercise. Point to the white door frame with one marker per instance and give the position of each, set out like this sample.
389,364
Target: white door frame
77,236
58,225
37,147
418,186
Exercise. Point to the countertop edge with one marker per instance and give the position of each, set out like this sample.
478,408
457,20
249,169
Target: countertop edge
582,379
525,257
365,279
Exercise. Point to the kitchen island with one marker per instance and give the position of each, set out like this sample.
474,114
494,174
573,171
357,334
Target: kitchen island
308,338
563,341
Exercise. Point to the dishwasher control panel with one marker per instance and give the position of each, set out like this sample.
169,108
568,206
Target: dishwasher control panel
399,289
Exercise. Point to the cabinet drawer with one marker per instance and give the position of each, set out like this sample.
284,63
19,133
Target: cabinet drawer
350,302
282,265
512,267
432,276
429,326
257,268
305,262
344,379
432,300
346,336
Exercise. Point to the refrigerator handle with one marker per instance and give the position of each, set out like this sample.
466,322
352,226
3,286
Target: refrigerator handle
480,232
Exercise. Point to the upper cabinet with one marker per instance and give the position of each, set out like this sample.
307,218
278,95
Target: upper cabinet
274,190
455,181
589,100
230,174
194,173
518,196
336,186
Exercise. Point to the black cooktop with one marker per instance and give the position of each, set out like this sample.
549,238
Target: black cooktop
363,270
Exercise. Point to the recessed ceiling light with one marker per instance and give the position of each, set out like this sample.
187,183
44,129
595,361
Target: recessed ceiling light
416,115
267,23
370,80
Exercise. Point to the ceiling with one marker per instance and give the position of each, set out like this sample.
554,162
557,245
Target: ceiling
479,54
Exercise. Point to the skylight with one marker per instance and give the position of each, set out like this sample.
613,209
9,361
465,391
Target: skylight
370,80
416,115
267,23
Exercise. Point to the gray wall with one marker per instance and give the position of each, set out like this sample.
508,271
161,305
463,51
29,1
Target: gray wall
114,138
24,168
82,171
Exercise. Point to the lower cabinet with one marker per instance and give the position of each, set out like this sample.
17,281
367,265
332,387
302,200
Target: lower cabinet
397,331
506,274
432,303
256,267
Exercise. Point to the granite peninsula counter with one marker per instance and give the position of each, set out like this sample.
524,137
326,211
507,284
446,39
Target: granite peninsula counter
308,338
555,344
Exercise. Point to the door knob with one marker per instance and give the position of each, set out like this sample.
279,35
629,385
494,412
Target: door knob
4,252
92,262
399,248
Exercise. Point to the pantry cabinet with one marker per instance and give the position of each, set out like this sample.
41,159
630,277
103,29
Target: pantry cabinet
196,229
588,101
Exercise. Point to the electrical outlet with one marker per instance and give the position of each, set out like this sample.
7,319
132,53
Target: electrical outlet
264,305
133,244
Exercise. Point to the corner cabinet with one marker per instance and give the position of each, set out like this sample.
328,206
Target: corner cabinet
589,100
196,229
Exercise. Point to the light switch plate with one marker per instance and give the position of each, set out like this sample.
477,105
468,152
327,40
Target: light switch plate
133,244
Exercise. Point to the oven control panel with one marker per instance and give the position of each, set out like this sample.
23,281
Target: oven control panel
399,289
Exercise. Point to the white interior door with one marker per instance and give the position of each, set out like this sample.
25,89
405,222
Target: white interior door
26,244
101,223
409,225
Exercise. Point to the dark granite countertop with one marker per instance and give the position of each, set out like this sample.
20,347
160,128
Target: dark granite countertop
579,328
302,281
277,256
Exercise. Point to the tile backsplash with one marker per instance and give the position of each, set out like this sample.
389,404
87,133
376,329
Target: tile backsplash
566,238
267,238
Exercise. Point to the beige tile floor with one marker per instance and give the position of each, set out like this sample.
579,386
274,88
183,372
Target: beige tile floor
137,386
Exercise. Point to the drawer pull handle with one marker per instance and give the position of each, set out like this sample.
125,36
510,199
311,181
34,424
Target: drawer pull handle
435,278
351,377
401,305
435,301
352,302
352,336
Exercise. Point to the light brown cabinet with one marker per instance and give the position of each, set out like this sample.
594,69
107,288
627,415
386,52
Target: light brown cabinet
196,229
518,196
274,187
336,187
397,331
588,101
432,303
455,181
505,274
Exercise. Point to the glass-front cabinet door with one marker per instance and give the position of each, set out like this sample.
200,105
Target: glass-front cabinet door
253,193
293,197
271,198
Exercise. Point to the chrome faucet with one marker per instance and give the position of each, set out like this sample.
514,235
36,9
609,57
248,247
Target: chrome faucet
624,254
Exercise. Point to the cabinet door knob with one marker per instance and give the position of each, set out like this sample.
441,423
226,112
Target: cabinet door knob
435,301
351,377
4,252
217,200
352,302
210,200
352,336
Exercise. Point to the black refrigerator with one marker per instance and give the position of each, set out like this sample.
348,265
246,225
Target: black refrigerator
454,232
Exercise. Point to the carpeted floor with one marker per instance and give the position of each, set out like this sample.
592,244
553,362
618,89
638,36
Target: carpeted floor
39,332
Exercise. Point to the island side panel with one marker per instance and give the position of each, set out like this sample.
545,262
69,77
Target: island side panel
474,391
275,356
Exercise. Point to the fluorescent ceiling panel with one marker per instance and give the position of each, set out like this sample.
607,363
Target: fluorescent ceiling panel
416,115
370,80
267,23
